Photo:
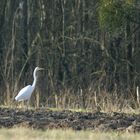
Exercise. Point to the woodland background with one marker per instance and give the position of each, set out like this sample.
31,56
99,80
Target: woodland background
90,50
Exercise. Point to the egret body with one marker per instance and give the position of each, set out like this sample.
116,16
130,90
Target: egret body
25,93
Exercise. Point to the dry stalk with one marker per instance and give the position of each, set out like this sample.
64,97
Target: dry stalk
138,97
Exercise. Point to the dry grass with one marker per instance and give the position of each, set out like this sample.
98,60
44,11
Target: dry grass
22,134
87,100
92,100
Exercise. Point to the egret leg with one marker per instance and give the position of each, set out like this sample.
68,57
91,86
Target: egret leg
22,104
16,105
27,103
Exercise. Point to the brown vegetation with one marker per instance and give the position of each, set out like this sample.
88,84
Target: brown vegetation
90,53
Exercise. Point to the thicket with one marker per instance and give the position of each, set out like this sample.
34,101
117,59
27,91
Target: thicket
89,48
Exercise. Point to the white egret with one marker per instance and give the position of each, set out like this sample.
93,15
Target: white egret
25,93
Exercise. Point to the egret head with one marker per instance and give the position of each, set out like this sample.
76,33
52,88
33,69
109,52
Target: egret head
38,68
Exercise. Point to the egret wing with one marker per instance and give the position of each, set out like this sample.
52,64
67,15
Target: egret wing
24,93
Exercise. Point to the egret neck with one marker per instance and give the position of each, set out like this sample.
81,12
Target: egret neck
35,78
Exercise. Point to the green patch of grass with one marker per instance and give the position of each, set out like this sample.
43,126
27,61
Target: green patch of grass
30,134
46,108
23,108
70,109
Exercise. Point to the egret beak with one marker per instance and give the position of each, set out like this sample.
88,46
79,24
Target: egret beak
41,69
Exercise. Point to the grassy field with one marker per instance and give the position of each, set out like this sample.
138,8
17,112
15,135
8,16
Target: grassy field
17,124
24,134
